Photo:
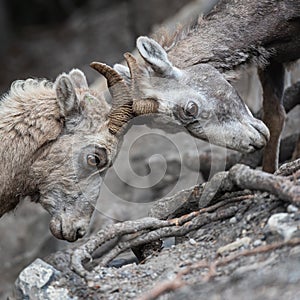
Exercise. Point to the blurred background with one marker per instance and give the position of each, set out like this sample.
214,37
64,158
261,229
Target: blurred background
42,38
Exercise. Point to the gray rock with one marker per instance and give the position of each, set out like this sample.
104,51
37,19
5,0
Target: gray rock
285,225
233,220
257,243
37,282
292,208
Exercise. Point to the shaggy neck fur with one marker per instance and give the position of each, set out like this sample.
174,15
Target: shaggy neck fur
236,33
29,119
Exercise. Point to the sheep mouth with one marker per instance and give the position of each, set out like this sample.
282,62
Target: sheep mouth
56,228
73,233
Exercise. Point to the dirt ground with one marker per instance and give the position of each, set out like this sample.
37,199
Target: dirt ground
271,274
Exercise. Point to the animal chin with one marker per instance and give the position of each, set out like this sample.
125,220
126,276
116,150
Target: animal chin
70,238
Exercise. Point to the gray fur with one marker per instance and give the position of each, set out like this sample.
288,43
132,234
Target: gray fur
200,61
222,117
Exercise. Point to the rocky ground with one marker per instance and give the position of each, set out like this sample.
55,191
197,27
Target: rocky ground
252,253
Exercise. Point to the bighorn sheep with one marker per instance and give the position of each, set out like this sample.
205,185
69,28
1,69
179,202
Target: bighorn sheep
56,143
190,74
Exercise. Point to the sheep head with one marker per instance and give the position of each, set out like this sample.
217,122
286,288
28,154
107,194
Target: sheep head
69,170
197,97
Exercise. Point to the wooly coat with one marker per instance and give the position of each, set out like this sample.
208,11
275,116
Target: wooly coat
55,147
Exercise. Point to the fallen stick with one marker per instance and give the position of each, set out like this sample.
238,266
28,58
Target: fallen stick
156,229
177,282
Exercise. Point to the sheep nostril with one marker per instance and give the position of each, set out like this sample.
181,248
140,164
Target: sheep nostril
80,232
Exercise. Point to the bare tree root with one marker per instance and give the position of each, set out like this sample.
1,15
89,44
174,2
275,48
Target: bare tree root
239,177
288,168
222,190
242,177
85,251
155,229
176,231
282,187
178,282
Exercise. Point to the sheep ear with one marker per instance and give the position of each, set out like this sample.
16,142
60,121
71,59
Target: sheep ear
123,71
78,79
66,96
154,54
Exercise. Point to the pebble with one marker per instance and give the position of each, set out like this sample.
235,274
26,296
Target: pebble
105,288
284,225
248,218
192,242
292,208
90,284
233,220
245,241
131,294
257,243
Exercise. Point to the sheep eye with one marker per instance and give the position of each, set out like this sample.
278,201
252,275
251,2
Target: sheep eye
93,160
98,158
191,109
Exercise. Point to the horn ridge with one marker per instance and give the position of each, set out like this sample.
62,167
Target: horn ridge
133,66
109,73
140,106
121,109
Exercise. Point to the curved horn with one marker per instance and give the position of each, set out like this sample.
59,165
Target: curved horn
121,92
121,111
139,106
133,66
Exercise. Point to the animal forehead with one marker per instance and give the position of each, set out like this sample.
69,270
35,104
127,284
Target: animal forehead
209,80
93,111
168,86
99,139
204,72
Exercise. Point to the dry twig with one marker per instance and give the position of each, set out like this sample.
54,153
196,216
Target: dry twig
177,282
245,178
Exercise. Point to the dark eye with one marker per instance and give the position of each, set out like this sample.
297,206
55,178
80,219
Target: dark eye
188,112
97,159
191,109
93,160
